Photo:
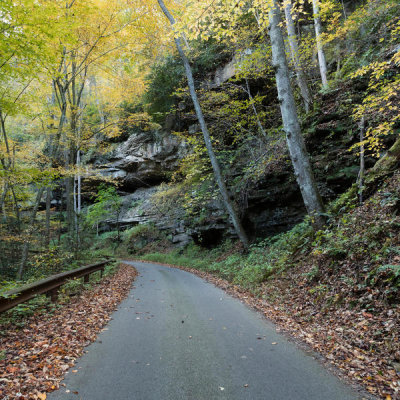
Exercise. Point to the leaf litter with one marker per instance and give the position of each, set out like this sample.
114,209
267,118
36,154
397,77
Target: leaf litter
39,354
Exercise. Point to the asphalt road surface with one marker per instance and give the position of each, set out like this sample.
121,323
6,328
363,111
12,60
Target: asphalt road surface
178,337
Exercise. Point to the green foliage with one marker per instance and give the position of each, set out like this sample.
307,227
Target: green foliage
51,262
107,205
163,80
19,314
373,33
359,248
141,236
73,287
168,75
266,258
105,245
345,202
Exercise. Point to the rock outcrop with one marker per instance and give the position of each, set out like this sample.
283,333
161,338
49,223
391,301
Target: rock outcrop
145,159
272,203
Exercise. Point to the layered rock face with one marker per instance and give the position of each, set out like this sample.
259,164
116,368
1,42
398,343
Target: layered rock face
143,160
139,165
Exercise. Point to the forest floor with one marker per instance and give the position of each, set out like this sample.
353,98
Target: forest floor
347,340
36,354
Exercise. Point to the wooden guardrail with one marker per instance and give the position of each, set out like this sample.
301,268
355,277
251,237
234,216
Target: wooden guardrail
49,286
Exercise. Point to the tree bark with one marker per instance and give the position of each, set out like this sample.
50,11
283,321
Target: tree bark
48,216
294,51
362,160
298,153
25,247
77,197
320,48
214,161
3,201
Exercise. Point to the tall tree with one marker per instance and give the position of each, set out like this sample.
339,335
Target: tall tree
294,51
320,48
294,138
230,207
269,13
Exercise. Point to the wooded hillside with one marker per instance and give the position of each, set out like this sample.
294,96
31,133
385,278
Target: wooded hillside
254,140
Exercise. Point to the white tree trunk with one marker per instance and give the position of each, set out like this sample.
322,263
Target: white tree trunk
214,161
78,163
320,48
294,51
77,197
294,138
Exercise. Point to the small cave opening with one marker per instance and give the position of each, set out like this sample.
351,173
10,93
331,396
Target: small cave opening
209,238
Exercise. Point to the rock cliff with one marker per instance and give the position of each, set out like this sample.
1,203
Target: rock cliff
273,202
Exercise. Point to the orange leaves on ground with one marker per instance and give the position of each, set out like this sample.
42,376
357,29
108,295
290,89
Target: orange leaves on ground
37,356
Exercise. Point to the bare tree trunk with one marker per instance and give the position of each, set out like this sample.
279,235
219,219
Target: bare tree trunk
320,48
25,247
344,10
48,216
362,160
77,197
3,201
69,201
214,161
294,51
8,164
294,138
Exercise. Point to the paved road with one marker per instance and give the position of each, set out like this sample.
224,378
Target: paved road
178,337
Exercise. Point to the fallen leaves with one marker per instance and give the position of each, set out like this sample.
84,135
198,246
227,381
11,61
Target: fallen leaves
38,355
364,346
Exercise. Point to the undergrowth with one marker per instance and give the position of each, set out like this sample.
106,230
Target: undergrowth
359,251
41,304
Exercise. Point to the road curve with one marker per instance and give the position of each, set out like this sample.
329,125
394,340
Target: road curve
178,337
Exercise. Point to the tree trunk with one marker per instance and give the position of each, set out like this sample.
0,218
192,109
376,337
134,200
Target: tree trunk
53,151
3,201
25,247
294,138
214,161
362,161
294,51
77,198
48,207
321,54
